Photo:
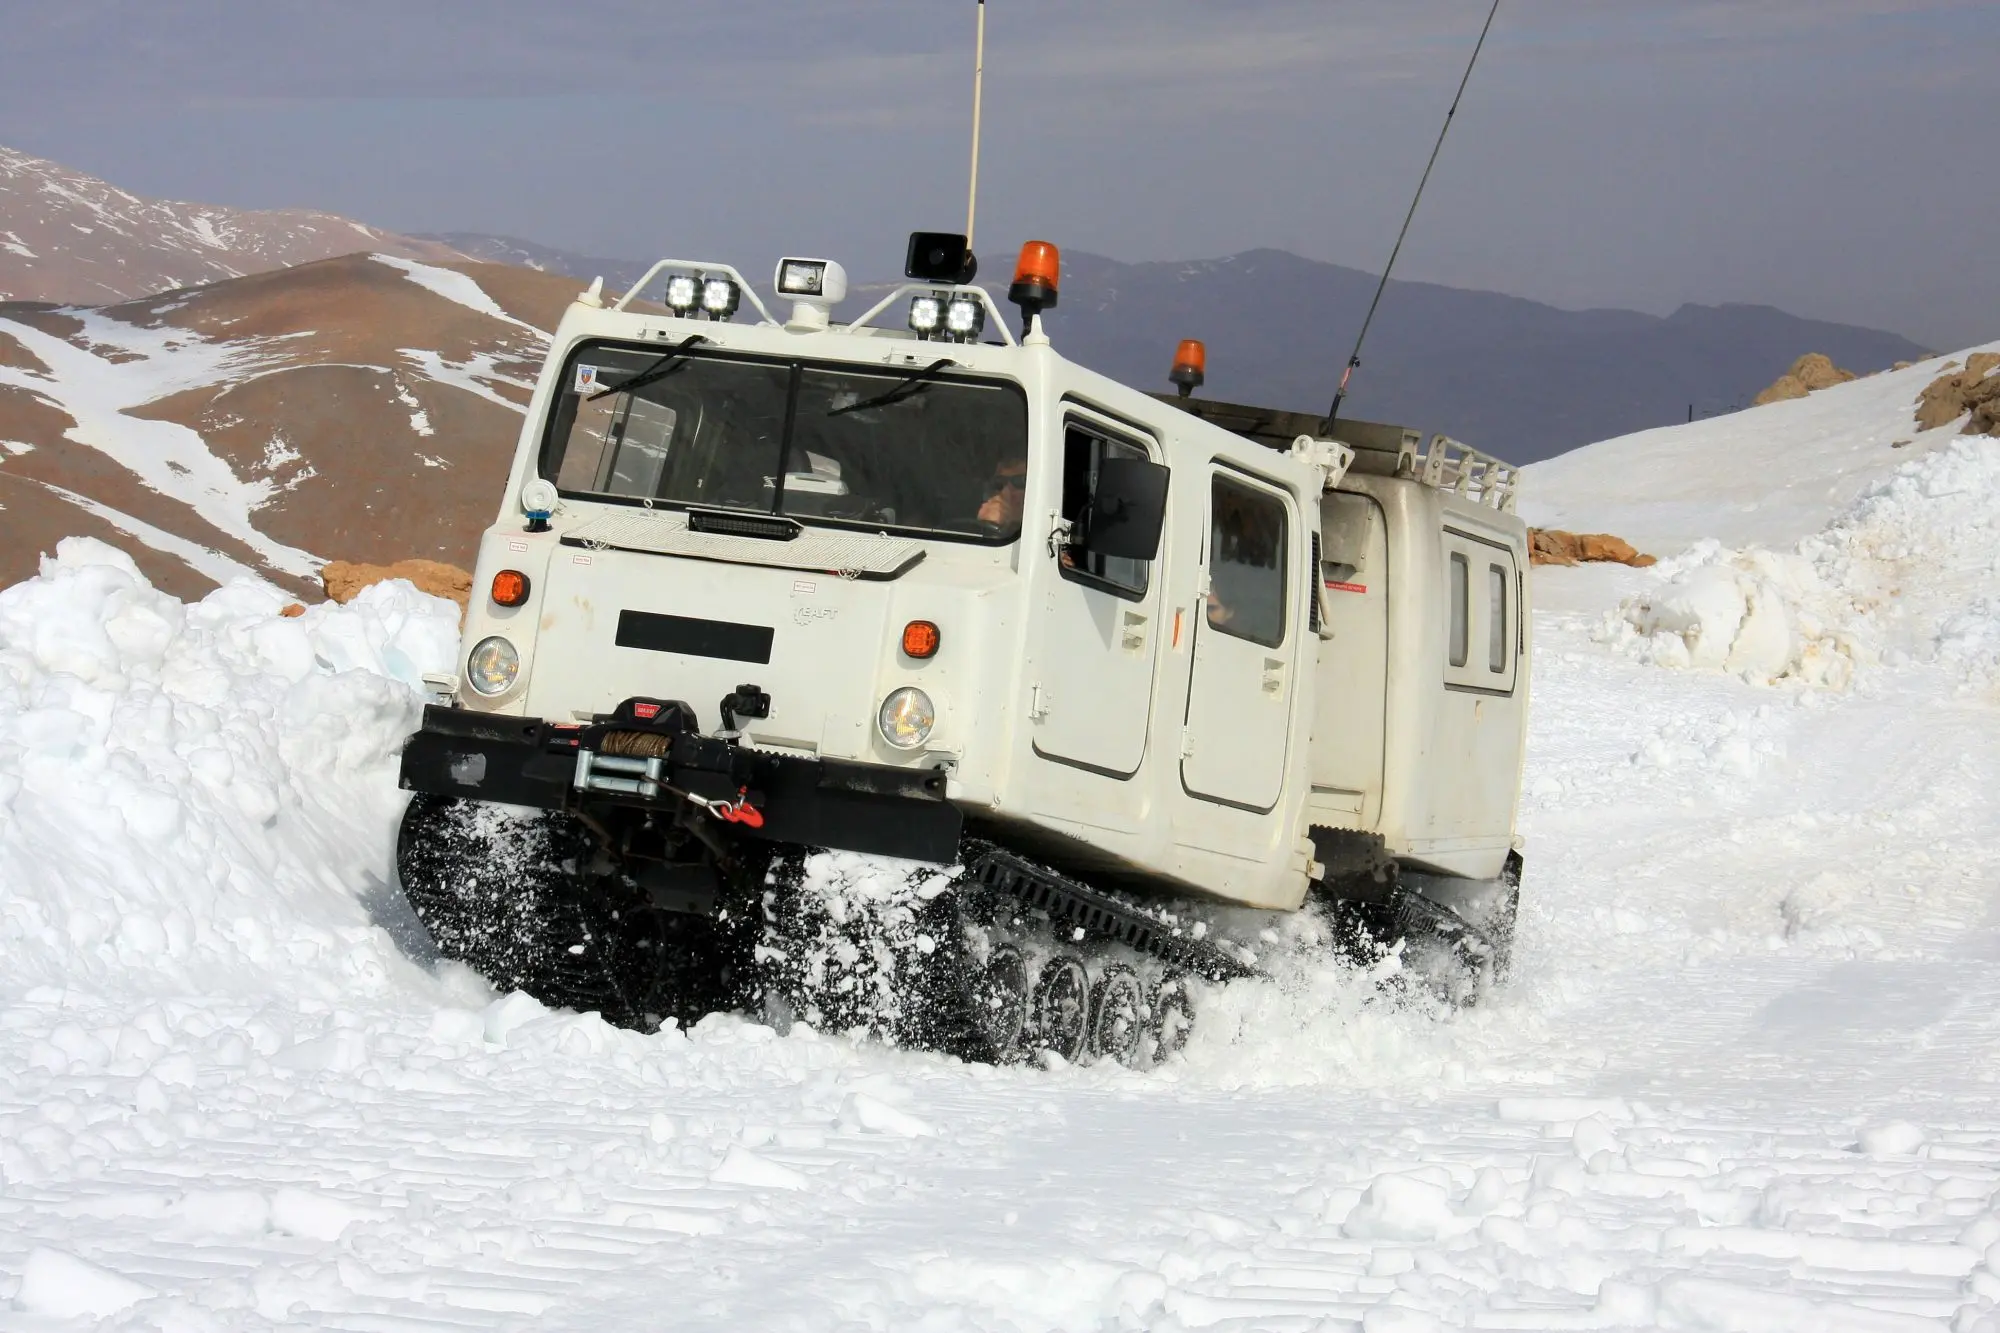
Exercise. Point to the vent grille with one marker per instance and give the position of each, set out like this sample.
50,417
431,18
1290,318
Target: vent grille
767,527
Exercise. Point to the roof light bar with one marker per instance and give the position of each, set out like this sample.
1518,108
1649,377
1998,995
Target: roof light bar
719,297
682,294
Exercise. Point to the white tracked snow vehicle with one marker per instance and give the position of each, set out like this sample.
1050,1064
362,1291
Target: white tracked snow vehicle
758,588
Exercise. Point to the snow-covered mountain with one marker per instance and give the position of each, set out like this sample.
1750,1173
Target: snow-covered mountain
70,238
364,407
1744,1078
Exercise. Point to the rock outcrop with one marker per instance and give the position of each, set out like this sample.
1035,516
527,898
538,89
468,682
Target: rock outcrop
344,578
1973,393
1809,373
1553,546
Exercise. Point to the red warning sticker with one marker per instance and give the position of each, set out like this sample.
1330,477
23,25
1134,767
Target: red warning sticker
645,712
1346,587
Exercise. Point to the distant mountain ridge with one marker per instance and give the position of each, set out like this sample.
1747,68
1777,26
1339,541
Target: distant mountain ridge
618,274
72,239
1517,377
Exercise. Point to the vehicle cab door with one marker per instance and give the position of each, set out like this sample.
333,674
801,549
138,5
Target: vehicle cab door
1241,686
1093,690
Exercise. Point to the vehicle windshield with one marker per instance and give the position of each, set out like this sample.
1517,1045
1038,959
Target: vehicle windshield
937,454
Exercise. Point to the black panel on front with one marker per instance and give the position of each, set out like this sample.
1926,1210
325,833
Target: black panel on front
695,638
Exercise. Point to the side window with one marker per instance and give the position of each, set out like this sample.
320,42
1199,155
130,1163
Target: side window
1496,618
1246,562
1461,608
1084,451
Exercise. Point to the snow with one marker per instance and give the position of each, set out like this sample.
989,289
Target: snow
97,393
476,375
209,563
1745,1077
1766,476
456,287
1907,570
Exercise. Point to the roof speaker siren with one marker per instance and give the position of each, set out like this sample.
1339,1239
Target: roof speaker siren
940,256
1037,279
1190,366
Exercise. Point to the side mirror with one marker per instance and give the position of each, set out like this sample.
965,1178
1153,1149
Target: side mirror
1127,510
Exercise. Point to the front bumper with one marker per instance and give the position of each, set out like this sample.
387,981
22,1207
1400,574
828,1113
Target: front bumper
830,803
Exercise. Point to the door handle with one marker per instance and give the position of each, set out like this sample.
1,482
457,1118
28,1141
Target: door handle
1132,632
1274,675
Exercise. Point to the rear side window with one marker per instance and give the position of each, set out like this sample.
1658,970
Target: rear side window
1496,618
1461,609
1246,562
1084,452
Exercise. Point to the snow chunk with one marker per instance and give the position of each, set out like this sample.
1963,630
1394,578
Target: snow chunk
740,1166
1398,1207
878,1117
60,1284
1907,569
316,1216
509,1012
1730,1307
1896,1138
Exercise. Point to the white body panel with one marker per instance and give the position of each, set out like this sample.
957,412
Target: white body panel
1119,729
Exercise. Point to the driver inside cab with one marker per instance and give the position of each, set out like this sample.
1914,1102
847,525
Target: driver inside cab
1006,494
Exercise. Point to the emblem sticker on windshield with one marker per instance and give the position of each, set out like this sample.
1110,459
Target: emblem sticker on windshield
586,378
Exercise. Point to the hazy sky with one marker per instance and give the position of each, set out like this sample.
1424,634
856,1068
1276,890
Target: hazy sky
1834,157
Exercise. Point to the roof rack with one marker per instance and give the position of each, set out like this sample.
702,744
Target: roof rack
1460,468
1380,449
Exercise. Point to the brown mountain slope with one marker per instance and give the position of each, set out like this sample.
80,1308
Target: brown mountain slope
68,236
362,407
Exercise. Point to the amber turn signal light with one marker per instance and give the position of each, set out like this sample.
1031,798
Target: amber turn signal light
510,587
921,639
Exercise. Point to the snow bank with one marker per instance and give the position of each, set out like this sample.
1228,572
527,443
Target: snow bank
191,794
1908,570
1766,476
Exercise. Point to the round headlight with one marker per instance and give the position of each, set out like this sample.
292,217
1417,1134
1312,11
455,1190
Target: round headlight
906,718
493,665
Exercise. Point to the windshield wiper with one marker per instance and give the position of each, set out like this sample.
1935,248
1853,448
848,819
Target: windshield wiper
911,384
659,370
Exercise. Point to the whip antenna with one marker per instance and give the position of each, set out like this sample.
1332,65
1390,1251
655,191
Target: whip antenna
1354,361
978,78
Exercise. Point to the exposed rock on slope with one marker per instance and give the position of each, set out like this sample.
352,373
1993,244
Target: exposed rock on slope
1813,371
69,237
1975,390
361,406
1552,546
343,579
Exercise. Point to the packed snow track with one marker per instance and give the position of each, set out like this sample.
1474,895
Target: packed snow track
1746,1076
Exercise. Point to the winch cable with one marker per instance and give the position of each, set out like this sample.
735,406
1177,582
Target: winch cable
1354,361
